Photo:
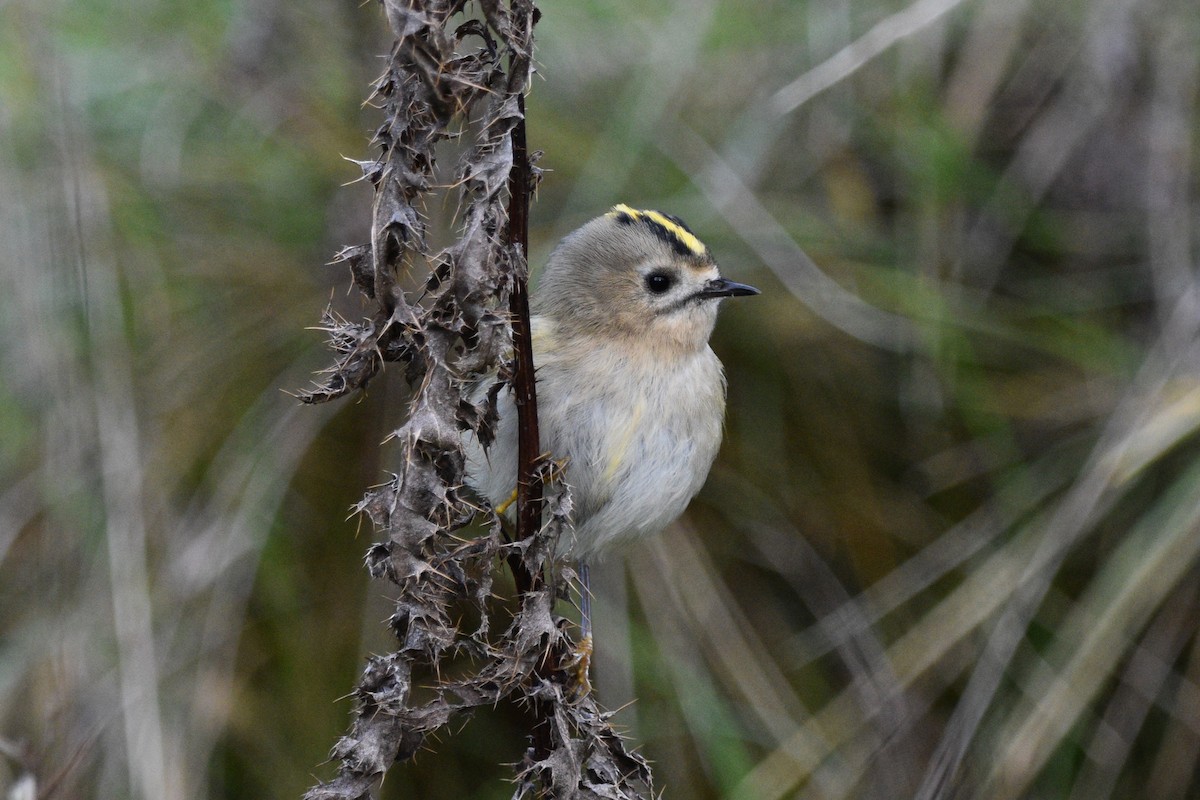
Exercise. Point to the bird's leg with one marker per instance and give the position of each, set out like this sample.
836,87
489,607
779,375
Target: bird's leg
584,652
585,601
503,507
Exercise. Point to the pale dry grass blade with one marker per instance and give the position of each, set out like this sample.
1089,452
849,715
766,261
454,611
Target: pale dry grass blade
931,649
887,744
1174,417
886,33
613,668
931,645
784,550
216,549
778,250
1144,569
106,652
1067,524
728,639
1179,753
122,482
950,551
1170,201
992,43
671,52
1146,674
691,679
1092,89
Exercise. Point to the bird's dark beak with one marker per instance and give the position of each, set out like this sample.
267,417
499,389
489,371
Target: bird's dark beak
723,287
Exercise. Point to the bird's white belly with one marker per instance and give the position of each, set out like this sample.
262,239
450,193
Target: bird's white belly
637,447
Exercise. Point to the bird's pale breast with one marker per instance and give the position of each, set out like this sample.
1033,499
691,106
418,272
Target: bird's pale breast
638,433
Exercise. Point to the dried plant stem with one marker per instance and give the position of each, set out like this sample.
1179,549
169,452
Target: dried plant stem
529,485
454,336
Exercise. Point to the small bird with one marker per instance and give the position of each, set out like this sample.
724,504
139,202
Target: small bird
630,396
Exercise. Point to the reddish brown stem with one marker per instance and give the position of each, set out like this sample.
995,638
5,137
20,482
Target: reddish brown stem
529,486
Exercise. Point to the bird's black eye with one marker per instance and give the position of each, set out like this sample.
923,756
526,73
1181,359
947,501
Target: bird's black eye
658,282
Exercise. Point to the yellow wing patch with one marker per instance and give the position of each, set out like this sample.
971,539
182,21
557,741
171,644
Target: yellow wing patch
669,229
620,448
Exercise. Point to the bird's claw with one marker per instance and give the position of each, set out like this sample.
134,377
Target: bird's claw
580,668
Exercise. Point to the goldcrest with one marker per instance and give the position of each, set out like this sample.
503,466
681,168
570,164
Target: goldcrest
631,398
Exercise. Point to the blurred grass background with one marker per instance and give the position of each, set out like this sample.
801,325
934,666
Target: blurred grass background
951,541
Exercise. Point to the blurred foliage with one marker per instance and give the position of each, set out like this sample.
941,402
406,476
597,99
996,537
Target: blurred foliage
951,540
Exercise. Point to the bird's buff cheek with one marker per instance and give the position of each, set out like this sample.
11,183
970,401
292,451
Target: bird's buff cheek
681,333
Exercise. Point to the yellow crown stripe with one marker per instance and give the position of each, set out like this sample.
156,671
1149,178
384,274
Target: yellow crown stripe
670,226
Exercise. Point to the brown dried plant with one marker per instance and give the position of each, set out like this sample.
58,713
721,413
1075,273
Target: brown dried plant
453,75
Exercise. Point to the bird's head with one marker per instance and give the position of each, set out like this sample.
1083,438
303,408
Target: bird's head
635,275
